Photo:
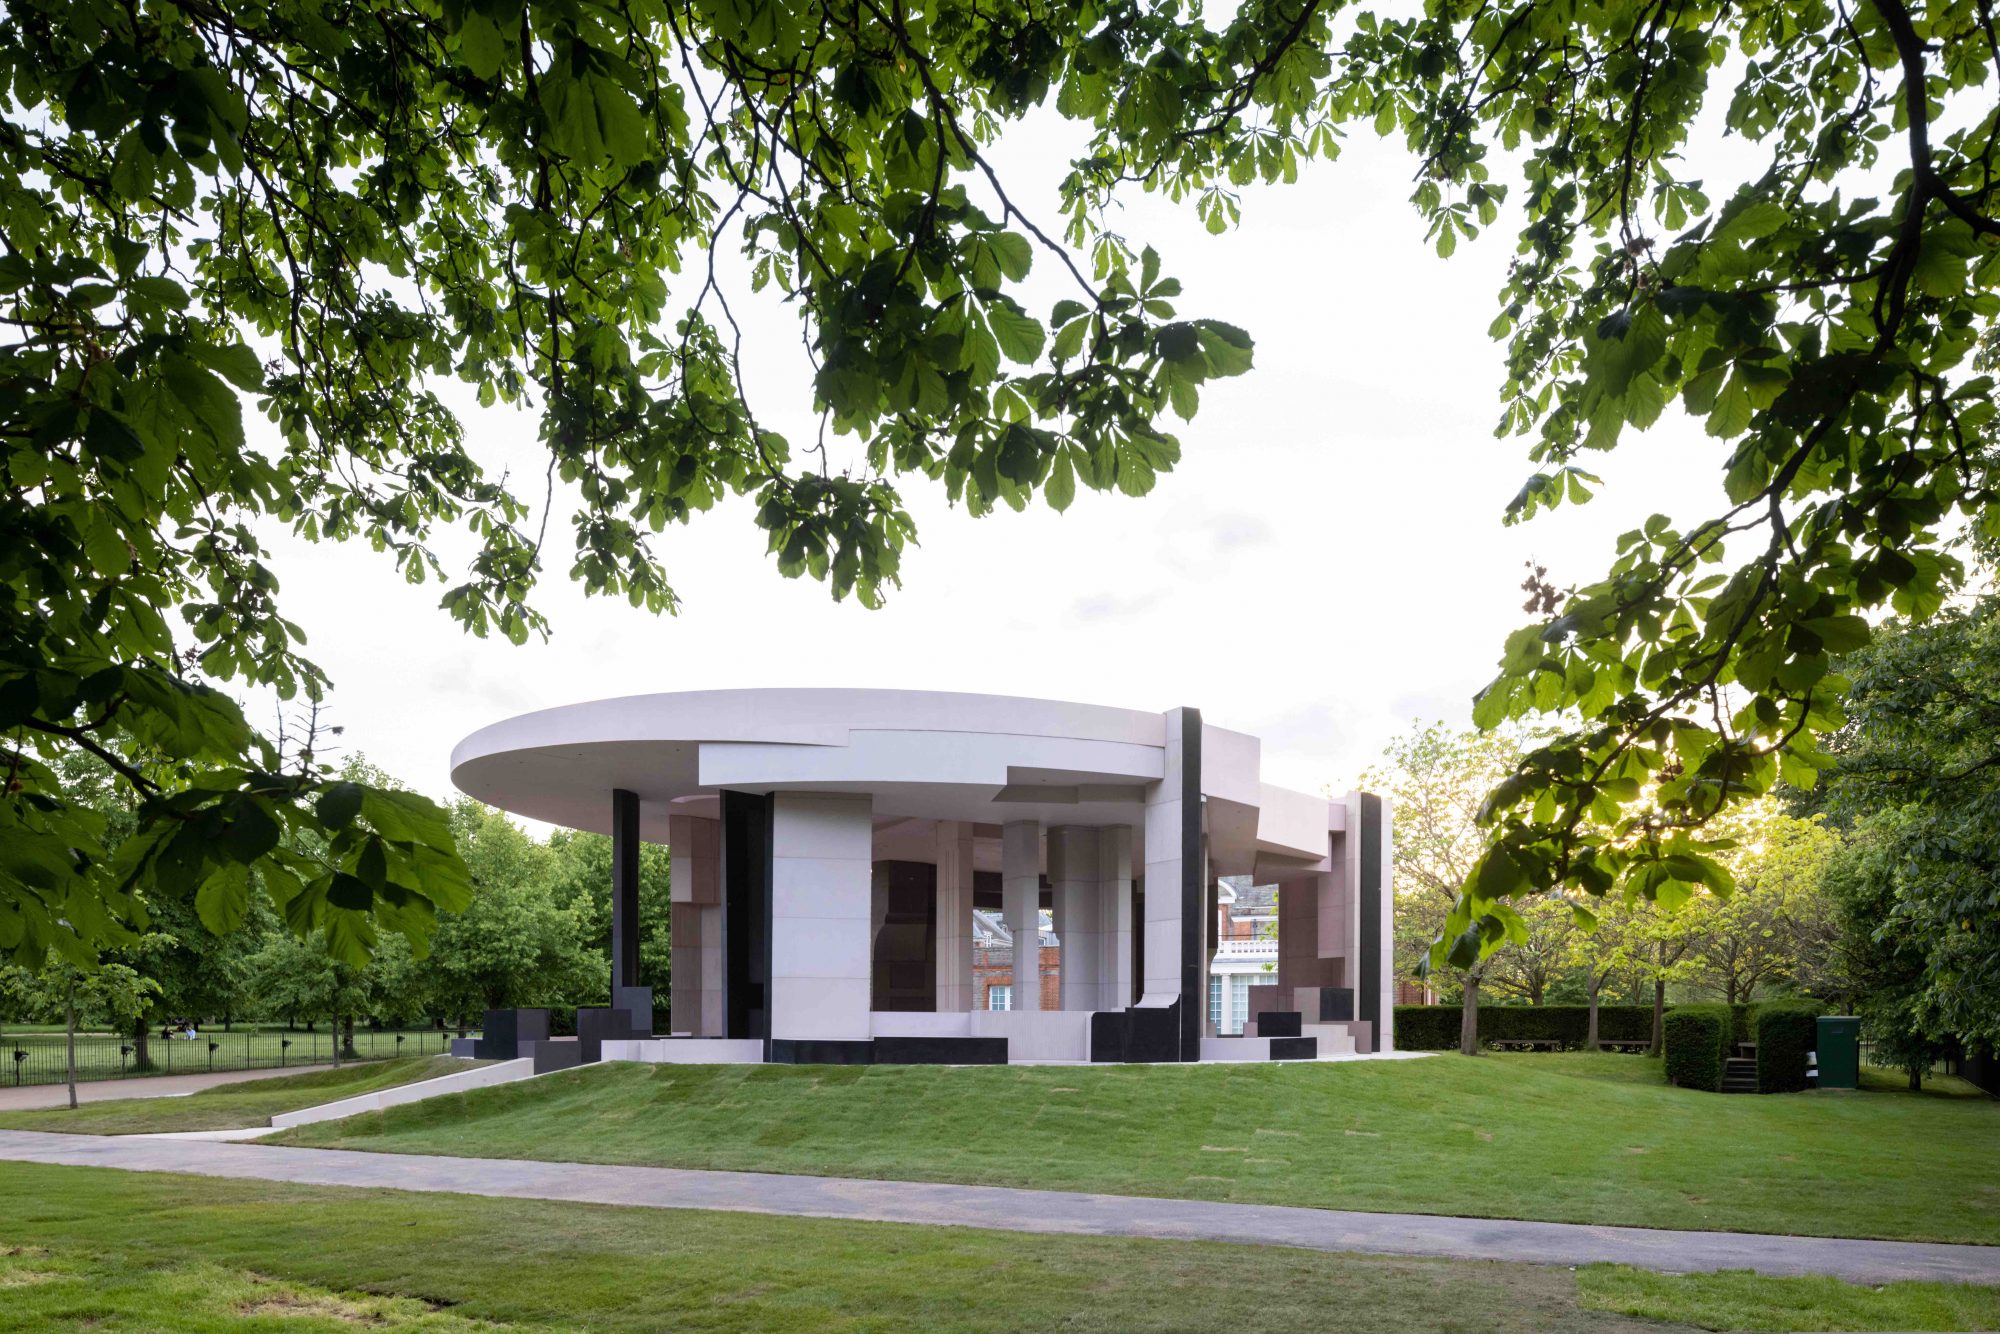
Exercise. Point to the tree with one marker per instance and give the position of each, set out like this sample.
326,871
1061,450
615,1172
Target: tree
1887,950
514,945
1604,954
581,882
1663,941
1435,777
61,990
329,208
1762,935
1917,780
1528,967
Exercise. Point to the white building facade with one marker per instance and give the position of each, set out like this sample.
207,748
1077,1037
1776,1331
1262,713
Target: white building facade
830,848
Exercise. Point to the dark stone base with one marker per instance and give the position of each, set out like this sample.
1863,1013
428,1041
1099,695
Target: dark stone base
1136,1035
1279,1024
1294,1049
940,1051
554,1054
465,1048
507,1031
888,1051
820,1051
1336,1005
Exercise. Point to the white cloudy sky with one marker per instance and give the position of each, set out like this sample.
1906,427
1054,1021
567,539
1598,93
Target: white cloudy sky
1327,564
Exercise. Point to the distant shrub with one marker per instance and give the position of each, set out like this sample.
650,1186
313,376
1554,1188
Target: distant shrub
1698,1040
1435,1027
1786,1032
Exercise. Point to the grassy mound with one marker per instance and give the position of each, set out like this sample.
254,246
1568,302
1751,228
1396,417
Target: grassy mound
1581,1138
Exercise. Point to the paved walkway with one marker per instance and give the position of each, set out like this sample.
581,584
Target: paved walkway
32,1096
1026,1210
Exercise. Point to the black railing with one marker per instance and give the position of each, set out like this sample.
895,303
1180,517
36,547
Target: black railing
42,1058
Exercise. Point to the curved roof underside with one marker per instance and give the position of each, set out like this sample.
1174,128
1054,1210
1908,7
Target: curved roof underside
930,754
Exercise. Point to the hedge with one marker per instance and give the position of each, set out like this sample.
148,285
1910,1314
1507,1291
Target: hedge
1785,1032
1435,1027
1698,1042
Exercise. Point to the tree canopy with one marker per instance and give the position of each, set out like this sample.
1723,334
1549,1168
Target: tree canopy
330,207
1917,780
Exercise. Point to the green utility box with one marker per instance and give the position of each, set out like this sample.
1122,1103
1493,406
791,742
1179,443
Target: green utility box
1839,1051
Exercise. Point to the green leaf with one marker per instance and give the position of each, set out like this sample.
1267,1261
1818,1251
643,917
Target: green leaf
1019,335
339,804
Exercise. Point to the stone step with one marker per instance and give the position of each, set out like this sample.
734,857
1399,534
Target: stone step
1335,1039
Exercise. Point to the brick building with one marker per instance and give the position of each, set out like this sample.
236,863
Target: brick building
993,964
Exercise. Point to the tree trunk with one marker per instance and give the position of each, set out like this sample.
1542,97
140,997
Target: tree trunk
1590,1037
347,1036
142,1050
1659,1016
1468,1023
70,1066
334,1035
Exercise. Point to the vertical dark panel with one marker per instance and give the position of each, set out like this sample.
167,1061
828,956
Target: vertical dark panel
1368,1004
746,913
624,890
1194,996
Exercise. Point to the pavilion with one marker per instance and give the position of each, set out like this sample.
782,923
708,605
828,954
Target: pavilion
830,847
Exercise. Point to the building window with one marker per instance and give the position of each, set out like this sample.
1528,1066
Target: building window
999,998
1215,1002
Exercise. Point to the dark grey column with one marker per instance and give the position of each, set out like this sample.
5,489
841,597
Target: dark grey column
624,890
1368,998
746,913
1194,878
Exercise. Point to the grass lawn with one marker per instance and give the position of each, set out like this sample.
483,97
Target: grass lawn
119,1251
230,1106
1577,1138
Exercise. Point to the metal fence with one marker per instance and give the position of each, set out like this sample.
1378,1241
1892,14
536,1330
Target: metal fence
42,1058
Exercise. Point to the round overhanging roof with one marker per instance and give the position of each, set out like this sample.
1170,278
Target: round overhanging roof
933,754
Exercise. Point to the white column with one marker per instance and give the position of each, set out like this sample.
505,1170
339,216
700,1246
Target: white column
954,916
1114,928
695,924
1021,906
1164,811
1073,884
822,914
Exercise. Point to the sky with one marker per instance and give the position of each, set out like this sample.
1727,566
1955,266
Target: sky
1326,567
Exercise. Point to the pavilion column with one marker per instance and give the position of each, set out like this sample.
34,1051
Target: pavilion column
1021,906
954,916
1074,864
1114,920
822,915
1175,878
624,891
696,936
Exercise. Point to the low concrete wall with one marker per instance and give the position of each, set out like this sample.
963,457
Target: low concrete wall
500,1072
1037,1035
686,1051
1236,1049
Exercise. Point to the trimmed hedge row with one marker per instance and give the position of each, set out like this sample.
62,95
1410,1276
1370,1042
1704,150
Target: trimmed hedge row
1786,1032
1435,1027
1699,1039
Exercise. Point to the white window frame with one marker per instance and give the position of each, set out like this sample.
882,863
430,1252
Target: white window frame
1000,996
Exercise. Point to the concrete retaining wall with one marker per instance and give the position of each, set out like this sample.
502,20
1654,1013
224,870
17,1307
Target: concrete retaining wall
483,1076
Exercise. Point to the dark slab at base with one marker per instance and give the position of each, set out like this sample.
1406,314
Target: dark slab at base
506,1031
940,1051
1136,1034
1294,1049
554,1054
1279,1024
888,1051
